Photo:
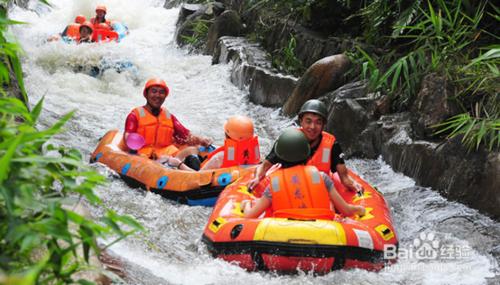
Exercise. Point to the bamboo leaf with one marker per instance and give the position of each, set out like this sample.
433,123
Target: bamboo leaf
7,157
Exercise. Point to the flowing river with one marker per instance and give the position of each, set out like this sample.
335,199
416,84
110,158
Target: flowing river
465,243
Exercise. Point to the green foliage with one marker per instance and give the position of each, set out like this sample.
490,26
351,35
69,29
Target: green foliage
474,130
285,60
43,239
287,8
9,59
400,80
39,183
199,33
439,36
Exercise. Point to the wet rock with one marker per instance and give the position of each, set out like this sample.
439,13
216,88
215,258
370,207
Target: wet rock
324,75
468,177
252,69
169,4
20,3
382,106
270,89
349,113
471,178
432,104
226,24
218,8
489,185
185,11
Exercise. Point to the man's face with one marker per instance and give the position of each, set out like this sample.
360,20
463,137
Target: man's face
100,13
312,125
156,96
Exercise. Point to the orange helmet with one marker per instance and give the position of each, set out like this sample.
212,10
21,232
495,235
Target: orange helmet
101,7
155,82
80,19
239,128
103,26
88,25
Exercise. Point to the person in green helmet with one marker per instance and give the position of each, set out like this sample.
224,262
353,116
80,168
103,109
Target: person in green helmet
326,153
296,190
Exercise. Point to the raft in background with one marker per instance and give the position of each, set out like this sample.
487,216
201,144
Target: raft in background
288,245
120,29
195,188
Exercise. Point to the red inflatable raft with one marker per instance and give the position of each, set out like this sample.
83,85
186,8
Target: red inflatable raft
287,245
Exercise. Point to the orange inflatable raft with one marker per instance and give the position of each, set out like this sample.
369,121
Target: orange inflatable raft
288,245
188,187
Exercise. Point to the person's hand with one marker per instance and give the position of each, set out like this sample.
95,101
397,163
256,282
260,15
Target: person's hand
360,210
245,205
252,183
204,141
355,187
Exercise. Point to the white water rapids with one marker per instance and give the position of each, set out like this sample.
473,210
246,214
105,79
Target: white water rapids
202,97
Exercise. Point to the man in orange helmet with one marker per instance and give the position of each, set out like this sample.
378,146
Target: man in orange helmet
100,17
241,146
72,31
161,130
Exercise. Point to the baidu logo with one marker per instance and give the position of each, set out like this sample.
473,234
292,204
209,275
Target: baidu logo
427,247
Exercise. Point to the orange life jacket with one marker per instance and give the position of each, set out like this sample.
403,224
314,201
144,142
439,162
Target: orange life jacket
94,22
322,156
299,192
158,131
100,35
73,31
239,152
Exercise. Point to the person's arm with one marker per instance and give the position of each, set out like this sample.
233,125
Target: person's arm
338,164
260,171
214,162
198,140
345,208
176,163
344,177
183,136
63,34
256,210
131,125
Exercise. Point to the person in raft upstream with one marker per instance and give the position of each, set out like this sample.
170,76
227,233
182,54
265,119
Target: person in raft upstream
71,32
86,29
299,191
162,130
326,153
100,16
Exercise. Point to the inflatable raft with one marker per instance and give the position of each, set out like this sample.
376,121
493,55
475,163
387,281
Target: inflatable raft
288,245
187,187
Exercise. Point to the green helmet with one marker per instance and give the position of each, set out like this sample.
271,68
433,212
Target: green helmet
292,146
314,106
